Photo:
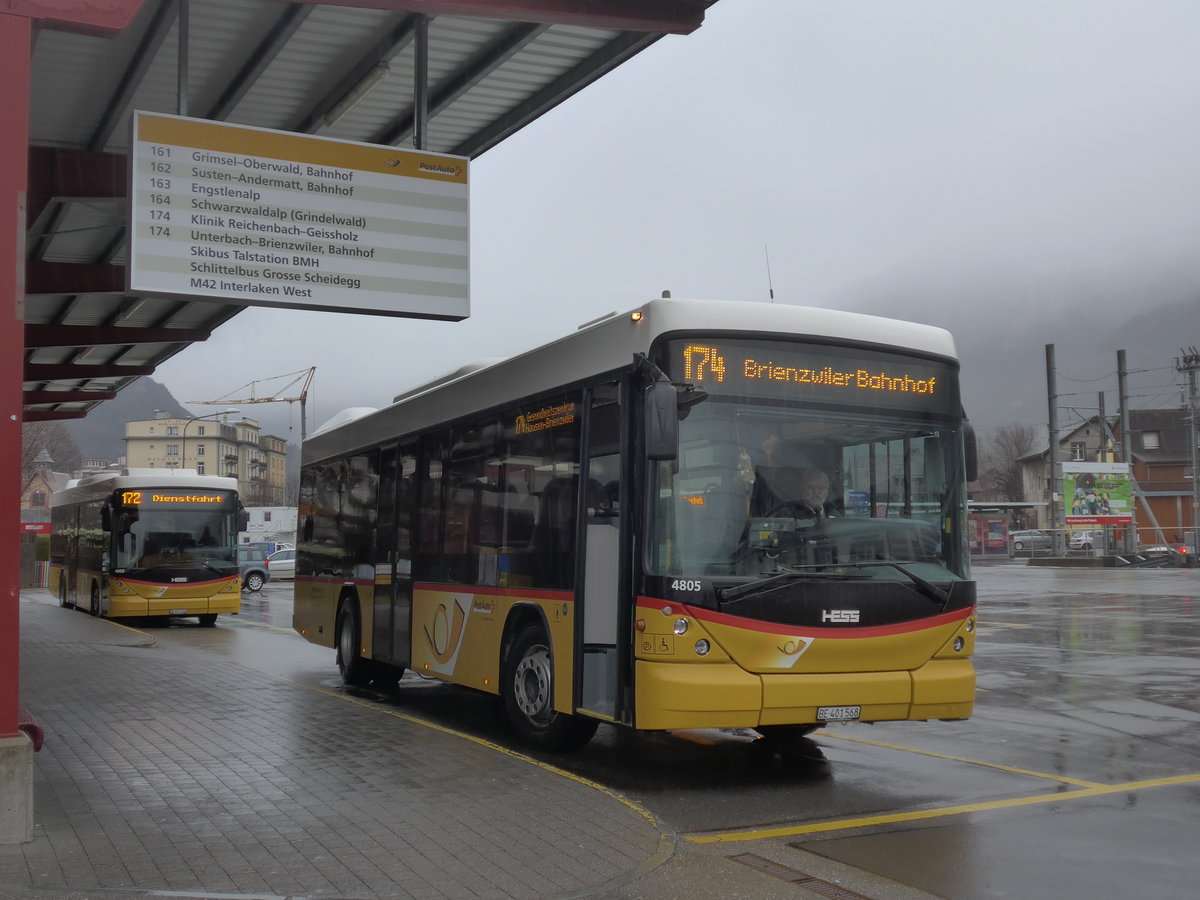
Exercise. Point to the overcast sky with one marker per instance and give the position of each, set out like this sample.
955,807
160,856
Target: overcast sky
976,165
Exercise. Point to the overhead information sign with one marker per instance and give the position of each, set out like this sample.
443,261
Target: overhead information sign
271,218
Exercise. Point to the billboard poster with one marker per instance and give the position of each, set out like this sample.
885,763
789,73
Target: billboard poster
1097,494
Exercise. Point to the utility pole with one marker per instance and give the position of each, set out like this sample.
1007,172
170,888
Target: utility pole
1056,533
1131,535
1189,361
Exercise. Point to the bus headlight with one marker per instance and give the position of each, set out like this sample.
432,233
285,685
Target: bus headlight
959,643
681,626
702,647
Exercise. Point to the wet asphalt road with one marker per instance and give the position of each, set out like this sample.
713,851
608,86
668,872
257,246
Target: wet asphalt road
1079,775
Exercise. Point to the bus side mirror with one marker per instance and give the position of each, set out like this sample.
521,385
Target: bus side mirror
970,450
662,421
243,518
106,518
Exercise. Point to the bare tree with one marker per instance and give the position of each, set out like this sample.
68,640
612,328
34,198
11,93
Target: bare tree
999,460
53,438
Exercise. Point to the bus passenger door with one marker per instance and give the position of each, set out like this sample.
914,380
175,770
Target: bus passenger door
602,570
393,558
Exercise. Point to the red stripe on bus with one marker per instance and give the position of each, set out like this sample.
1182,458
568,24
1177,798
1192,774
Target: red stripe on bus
824,631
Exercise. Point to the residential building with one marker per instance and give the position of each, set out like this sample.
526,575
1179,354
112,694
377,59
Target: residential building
210,446
1160,466
35,498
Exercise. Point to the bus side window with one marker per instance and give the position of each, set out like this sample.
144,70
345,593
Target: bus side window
428,562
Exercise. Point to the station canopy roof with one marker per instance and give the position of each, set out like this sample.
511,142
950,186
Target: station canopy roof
492,68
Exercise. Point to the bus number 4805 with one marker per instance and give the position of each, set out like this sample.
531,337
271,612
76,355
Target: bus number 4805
680,584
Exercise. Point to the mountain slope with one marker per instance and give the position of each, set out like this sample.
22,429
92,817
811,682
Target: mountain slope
102,433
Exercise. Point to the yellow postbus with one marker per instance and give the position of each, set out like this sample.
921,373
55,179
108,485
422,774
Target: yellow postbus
695,514
147,542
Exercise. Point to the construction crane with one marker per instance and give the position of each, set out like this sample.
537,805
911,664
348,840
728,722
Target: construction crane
303,378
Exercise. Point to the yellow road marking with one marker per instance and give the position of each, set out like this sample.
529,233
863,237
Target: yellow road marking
983,624
246,623
939,812
974,762
664,836
145,634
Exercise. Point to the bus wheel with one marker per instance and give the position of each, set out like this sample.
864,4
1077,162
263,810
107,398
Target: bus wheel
208,620
355,670
94,607
385,677
528,686
788,740
62,593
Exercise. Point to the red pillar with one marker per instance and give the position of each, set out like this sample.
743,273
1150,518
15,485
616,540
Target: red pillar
100,17
14,152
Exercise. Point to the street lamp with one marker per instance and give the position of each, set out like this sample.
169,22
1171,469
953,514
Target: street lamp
231,411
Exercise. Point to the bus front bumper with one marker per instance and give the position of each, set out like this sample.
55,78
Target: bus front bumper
723,695
130,601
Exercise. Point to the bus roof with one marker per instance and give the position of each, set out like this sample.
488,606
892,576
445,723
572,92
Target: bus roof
608,345
95,487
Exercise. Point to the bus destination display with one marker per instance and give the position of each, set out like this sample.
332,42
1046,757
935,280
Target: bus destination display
170,498
811,373
279,219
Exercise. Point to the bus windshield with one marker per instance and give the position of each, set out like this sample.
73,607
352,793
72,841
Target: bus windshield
798,469
170,529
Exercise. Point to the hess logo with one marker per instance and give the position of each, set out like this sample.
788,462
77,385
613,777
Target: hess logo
840,616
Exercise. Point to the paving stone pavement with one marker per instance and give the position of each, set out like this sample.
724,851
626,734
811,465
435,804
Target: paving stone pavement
161,773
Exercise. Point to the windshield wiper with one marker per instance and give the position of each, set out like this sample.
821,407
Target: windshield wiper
730,594
928,588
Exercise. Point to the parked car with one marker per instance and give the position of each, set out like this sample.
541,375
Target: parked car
1028,540
269,547
255,569
1086,540
283,564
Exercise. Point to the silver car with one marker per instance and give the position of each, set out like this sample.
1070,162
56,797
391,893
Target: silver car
282,564
1028,540
1086,540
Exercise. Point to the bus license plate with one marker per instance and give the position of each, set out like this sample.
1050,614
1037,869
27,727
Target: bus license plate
179,612
838,713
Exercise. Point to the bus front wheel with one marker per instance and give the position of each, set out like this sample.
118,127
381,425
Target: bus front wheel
529,696
207,620
94,606
788,740
355,670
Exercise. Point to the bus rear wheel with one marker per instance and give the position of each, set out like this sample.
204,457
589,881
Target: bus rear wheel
94,606
528,686
355,670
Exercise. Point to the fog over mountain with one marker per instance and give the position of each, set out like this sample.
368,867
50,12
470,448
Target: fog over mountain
1002,326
